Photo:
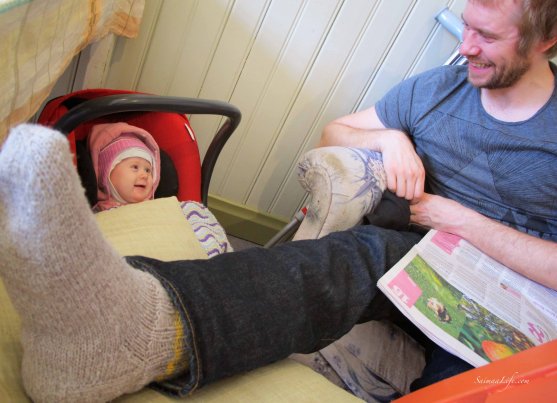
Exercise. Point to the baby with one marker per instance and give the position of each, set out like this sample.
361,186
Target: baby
126,160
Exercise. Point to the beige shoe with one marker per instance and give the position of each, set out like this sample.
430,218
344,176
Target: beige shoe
344,185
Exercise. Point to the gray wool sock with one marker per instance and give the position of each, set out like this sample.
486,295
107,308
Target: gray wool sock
93,328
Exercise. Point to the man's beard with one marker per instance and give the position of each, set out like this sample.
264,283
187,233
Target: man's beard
506,76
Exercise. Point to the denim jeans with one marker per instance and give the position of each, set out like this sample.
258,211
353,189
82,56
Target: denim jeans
246,309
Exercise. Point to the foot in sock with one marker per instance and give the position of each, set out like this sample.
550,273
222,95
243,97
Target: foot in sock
93,328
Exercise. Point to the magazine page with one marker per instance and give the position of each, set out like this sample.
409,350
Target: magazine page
468,303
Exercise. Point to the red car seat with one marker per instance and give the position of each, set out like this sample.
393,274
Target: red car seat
182,173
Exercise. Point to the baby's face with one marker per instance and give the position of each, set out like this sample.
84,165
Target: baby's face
133,179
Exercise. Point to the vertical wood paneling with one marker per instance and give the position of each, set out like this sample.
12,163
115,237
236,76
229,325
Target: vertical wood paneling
129,56
250,79
271,83
291,66
441,43
345,64
410,42
223,75
163,64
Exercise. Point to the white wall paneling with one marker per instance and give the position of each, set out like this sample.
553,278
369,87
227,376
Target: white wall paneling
291,66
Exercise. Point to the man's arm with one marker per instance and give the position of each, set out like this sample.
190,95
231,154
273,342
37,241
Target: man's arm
532,257
404,169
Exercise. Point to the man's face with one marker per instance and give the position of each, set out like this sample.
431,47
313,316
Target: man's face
133,179
490,43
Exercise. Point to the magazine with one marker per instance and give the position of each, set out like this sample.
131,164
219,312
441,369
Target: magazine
468,303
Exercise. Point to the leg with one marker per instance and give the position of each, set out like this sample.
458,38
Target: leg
93,328
260,305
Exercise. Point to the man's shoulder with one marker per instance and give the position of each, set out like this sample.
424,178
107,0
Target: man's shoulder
415,97
441,78
431,88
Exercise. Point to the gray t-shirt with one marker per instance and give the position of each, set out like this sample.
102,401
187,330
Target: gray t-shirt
506,171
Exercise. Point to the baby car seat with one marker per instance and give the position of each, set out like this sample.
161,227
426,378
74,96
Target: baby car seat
182,173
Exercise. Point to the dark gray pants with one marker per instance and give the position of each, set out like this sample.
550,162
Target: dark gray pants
246,309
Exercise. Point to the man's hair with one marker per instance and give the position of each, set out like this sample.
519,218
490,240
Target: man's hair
538,22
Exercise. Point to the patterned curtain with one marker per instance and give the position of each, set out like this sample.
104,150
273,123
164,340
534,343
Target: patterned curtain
39,38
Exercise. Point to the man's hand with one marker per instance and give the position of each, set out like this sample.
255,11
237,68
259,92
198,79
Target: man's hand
403,167
439,213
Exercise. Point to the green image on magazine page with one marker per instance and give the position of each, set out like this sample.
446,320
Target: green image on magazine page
462,318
